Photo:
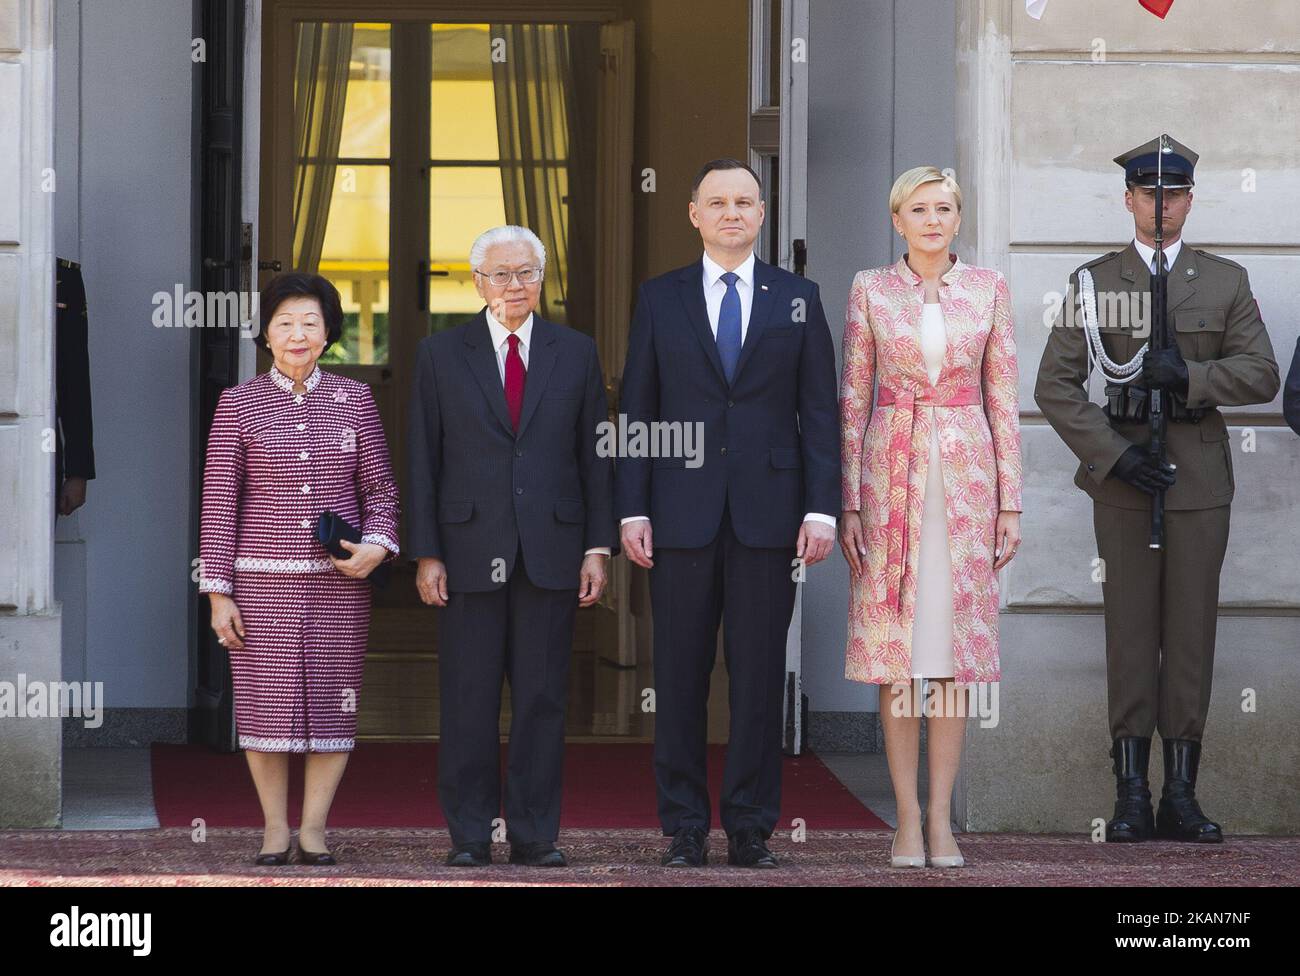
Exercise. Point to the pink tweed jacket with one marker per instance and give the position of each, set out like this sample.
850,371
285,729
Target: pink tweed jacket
276,460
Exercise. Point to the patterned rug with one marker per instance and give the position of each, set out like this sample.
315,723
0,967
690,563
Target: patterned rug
398,857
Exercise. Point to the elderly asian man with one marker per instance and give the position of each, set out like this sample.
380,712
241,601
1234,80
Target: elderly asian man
512,521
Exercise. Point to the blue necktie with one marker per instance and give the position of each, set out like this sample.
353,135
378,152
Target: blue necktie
729,327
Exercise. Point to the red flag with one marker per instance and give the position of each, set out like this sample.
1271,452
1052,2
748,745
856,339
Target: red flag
1157,7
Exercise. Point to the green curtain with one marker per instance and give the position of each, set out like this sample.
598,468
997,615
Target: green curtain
545,93
322,53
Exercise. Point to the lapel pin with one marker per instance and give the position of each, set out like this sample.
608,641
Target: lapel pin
764,287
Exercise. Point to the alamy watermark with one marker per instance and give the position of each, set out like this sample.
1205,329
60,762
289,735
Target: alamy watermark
949,699
206,310
53,699
652,439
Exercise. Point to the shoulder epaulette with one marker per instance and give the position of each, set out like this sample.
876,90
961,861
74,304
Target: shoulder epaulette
1096,261
1219,258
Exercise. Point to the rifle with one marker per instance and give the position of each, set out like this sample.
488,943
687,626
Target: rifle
1159,340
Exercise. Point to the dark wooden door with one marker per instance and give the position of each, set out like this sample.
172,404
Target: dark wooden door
224,250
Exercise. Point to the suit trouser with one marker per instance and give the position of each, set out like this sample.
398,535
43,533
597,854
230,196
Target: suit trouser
525,634
1160,599
751,591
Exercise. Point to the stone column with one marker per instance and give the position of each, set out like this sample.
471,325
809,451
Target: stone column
30,747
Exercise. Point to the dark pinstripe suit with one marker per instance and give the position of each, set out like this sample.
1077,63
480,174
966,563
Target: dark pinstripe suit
511,516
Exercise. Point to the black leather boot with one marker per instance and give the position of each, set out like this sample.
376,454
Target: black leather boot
1180,816
1133,820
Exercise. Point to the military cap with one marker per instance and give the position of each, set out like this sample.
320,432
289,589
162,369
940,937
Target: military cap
1176,167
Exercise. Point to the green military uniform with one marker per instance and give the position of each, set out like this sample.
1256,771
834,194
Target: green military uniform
1159,600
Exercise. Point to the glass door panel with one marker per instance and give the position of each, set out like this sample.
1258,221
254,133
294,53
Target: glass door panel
355,258
342,134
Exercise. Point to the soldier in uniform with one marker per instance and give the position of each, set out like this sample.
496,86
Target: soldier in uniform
74,449
1161,604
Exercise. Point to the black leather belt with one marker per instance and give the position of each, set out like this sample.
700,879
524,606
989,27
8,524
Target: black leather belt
1130,403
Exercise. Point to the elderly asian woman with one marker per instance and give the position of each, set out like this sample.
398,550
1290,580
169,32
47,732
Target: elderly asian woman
286,446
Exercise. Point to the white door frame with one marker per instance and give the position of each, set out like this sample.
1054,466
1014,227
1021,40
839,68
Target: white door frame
787,142
250,182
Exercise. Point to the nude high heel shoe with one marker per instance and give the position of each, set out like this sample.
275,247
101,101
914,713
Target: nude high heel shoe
947,860
903,860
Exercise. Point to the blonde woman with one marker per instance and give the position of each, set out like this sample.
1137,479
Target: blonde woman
931,493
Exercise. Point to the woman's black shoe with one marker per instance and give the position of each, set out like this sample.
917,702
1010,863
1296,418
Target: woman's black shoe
274,859
315,858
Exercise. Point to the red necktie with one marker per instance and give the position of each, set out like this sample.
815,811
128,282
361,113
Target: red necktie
515,374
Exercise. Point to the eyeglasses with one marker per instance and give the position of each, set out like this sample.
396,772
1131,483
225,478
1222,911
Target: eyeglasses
526,276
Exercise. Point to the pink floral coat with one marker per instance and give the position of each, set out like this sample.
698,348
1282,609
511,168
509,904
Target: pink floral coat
885,456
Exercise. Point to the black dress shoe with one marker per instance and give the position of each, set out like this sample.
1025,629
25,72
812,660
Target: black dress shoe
539,854
747,848
1133,820
689,849
470,856
315,858
1180,816
275,859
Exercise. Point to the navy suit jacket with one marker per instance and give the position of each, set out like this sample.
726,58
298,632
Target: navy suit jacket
771,444
1291,392
477,490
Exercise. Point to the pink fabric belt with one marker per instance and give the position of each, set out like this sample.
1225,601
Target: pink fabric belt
901,423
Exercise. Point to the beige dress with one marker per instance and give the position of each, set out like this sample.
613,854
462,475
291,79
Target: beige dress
932,630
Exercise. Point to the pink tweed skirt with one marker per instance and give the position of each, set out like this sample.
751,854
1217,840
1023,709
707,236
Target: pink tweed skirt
298,679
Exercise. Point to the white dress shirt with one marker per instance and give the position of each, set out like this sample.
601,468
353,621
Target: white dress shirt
1149,253
501,342
714,291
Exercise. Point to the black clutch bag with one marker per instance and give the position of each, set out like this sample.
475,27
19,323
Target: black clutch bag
331,530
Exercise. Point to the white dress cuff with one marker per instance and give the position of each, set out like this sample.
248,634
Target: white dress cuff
379,539
209,585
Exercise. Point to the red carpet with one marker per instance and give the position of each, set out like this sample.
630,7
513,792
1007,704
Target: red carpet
395,785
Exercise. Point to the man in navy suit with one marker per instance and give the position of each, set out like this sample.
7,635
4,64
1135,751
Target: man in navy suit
741,348
511,519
